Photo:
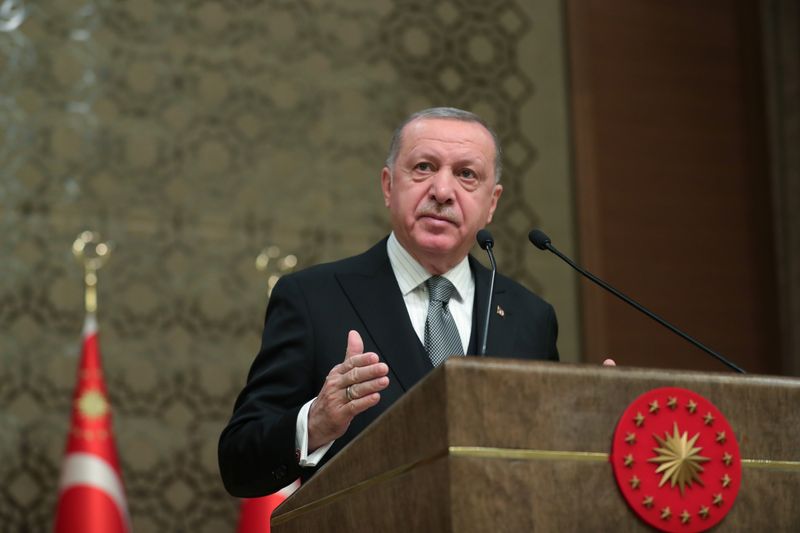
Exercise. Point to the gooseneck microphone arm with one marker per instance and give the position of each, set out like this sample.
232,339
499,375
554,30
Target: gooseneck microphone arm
542,241
486,242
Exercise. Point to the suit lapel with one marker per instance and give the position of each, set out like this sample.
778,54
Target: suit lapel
377,300
500,334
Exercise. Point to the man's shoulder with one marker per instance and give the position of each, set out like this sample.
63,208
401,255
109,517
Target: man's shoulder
519,291
364,263
510,287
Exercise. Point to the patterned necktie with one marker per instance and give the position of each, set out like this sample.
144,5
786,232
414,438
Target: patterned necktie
441,335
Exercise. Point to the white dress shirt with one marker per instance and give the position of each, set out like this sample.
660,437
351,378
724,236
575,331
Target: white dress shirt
411,278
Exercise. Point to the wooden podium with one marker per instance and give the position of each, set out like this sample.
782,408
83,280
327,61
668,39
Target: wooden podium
487,444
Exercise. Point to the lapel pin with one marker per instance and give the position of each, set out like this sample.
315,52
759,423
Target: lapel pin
501,311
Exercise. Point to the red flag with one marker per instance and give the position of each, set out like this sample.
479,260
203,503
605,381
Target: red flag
91,495
255,512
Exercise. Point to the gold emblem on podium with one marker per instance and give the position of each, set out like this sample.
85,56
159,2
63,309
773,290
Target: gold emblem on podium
676,460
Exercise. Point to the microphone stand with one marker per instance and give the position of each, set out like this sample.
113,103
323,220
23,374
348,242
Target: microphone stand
542,241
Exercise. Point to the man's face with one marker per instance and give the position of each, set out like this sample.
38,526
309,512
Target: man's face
441,190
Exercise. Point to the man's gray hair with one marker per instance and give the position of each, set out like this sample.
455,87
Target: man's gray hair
451,113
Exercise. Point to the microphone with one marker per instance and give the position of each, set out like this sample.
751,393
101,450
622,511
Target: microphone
542,242
486,242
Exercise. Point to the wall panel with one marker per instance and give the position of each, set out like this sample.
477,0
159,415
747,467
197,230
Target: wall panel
672,180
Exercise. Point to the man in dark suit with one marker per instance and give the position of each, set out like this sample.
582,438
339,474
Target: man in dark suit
343,341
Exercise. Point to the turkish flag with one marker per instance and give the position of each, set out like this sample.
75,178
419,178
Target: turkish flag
91,495
255,512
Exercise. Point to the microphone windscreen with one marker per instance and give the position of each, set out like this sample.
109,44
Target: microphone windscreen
484,238
539,239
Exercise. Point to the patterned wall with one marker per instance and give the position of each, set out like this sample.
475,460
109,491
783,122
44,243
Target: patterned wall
193,134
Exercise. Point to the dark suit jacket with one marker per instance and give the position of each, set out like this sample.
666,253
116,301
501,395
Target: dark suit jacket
305,335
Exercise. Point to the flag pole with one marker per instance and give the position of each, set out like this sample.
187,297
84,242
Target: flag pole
91,495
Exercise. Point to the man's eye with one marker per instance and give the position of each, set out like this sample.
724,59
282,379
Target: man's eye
467,174
423,166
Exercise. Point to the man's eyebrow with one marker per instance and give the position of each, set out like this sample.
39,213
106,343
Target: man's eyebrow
423,152
471,161
437,154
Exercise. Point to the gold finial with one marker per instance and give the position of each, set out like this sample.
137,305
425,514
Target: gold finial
93,253
282,265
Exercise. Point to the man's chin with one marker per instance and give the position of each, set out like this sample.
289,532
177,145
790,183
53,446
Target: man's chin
438,244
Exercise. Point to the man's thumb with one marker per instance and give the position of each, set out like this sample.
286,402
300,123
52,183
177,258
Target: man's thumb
354,344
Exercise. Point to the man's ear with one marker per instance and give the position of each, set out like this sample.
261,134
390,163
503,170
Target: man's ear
386,185
496,192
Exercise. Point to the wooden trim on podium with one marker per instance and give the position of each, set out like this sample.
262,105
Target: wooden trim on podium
497,453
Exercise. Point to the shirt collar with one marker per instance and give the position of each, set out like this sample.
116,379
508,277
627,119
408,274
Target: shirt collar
411,275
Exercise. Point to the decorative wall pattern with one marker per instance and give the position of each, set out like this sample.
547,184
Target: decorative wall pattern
193,134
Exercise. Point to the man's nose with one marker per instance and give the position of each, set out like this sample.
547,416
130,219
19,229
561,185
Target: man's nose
442,186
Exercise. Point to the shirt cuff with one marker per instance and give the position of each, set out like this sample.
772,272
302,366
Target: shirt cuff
301,440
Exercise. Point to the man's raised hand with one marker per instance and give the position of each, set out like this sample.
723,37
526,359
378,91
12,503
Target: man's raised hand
351,387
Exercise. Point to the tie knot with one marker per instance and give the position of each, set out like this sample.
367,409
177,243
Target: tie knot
440,289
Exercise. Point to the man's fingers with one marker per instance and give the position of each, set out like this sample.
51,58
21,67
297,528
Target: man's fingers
365,388
355,361
365,373
362,404
355,345
362,375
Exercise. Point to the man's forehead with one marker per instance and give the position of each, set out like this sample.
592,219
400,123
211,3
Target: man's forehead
451,125
448,133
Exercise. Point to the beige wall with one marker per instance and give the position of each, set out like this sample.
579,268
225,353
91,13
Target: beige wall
194,134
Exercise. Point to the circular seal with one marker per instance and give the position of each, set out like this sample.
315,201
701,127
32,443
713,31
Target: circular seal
92,404
676,460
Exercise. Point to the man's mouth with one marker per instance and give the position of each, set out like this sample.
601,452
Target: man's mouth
437,218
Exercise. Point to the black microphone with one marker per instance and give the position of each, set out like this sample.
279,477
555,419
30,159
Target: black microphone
542,242
486,242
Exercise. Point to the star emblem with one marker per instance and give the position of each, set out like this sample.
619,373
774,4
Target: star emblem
653,407
678,458
672,402
691,406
